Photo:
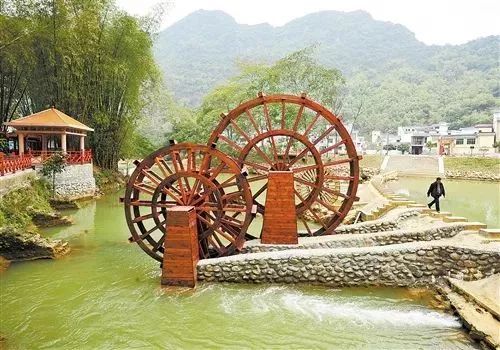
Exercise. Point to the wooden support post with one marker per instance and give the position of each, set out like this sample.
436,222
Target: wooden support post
280,220
181,248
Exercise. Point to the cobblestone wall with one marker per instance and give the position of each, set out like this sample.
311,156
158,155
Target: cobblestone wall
76,181
415,264
361,240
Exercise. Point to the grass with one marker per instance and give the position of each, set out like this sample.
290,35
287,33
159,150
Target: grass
17,207
482,164
371,161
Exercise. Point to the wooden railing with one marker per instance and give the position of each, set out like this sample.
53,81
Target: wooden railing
11,164
72,157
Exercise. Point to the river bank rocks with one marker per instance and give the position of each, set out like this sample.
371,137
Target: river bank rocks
42,219
414,264
17,245
472,175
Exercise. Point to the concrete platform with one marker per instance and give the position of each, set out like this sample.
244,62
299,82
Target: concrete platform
491,233
475,226
455,219
485,292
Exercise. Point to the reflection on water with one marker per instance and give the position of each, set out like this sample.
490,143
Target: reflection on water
476,200
106,295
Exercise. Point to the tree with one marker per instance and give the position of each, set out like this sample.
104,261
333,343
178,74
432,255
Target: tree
53,165
87,58
430,145
296,73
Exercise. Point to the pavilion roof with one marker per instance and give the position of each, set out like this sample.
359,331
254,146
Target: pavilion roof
50,117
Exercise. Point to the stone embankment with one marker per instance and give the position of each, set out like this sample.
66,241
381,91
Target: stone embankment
75,182
411,264
472,175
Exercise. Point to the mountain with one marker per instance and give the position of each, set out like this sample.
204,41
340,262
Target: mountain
203,49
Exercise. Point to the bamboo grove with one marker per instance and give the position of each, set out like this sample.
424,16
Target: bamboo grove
86,57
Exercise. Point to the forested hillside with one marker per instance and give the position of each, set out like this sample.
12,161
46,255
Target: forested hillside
391,77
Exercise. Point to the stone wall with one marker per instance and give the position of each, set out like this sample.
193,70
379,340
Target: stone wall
361,240
472,175
76,181
411,264
10,182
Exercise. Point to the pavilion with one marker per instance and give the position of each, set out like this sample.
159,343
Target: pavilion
47,131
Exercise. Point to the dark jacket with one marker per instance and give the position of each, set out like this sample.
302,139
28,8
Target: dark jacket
433,190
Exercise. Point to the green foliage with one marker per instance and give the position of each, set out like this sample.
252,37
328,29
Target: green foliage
87,57
55,164
18,207
296,73
482,164
403,147
392,79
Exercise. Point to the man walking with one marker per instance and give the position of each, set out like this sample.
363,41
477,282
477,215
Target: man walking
436,190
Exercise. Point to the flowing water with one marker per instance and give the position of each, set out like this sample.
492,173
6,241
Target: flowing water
106,295
475,200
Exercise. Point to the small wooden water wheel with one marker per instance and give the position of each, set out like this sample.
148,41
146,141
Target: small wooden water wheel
189,175
294,133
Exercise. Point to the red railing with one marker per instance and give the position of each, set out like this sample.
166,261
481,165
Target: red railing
72,157
11,164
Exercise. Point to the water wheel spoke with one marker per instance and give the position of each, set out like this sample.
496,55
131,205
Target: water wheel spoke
143,218
328,206
163,166
252,121
152,176
225,235
305,168
260,191
151,230
338,162
310,210
332,147
283,112
248,139
294,129
142,187
311,125
214,172
168,192
323,135
159,243
257,178
255,165
231,143
306,225
338,177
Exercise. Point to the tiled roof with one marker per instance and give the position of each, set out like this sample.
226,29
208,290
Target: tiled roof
49,117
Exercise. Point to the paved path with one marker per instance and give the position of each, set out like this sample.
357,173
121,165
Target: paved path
414,165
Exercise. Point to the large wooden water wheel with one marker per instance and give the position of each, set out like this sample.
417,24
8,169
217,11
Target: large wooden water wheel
294,133
189,175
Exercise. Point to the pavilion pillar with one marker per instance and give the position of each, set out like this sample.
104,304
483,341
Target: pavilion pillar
44,143
63,143
82,143
20,138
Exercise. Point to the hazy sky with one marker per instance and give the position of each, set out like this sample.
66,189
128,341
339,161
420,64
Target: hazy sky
433,21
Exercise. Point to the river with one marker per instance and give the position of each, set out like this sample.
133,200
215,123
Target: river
106,295
475,200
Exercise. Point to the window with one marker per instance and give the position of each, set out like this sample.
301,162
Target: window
460,141
471,141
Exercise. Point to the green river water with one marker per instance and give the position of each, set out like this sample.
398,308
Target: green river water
106,295
475,200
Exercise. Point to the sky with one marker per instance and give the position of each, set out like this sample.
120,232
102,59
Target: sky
433,21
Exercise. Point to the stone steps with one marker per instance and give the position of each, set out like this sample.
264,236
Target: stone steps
455,219
491,233
474,226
